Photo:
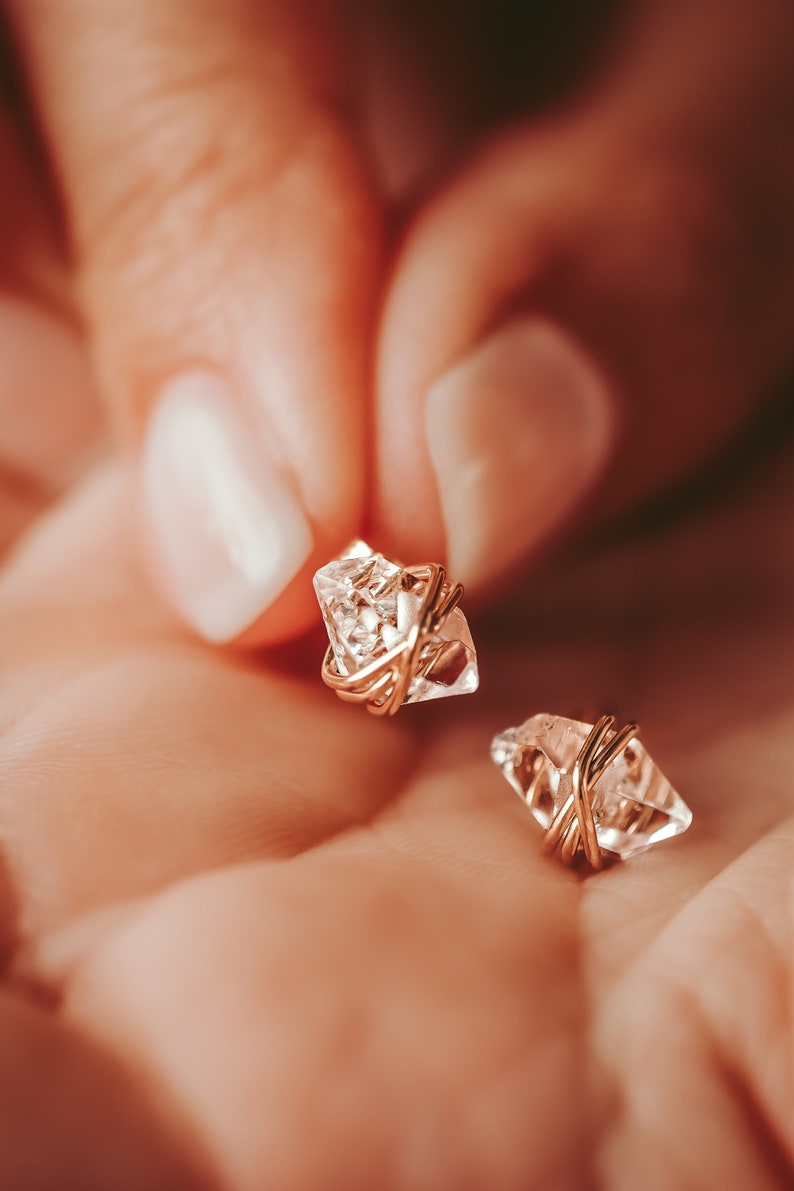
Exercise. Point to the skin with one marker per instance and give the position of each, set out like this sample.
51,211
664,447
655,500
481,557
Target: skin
303,946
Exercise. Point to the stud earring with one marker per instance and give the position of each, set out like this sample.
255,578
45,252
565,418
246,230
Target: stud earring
396,634
592,787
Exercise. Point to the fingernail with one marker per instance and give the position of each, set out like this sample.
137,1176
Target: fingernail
518,433
228,531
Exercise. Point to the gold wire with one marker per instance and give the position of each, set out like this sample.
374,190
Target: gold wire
572,835
383,685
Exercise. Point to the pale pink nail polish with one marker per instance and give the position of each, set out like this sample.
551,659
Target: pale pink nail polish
228,531
518,434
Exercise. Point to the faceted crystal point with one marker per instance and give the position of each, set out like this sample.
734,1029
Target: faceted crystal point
633,803
370,604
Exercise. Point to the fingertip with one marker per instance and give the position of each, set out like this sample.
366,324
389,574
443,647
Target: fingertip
477,247
495,420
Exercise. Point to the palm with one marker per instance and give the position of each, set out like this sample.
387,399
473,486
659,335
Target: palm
324,951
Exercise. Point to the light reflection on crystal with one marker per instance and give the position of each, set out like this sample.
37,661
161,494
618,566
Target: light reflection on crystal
370,604
633,803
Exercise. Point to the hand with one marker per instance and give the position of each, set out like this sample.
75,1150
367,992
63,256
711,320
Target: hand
593,303
256,936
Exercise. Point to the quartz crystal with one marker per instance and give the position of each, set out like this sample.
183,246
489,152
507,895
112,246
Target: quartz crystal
633,804
369,605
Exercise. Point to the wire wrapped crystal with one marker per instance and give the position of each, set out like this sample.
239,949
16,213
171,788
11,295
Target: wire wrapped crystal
592,787
396,634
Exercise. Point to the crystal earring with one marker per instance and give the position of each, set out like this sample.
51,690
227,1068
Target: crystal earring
396,634
592,787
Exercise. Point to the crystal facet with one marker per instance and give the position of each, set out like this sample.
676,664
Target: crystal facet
633,803
370,604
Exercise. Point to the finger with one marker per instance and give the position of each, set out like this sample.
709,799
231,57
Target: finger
717,983
577,321
49,420
228,245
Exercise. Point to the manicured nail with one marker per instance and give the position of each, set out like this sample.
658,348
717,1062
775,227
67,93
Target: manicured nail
518,433
228,531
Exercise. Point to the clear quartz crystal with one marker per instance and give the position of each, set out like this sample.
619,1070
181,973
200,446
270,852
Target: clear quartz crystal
634,805
369,606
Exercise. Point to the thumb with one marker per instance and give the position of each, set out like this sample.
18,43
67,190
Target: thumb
228,245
